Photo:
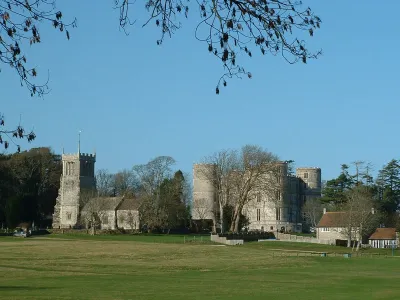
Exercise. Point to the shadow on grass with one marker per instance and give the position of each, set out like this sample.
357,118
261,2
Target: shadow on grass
24,288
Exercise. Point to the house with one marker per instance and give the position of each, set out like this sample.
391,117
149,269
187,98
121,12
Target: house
128,214
101,212
331,226
384,238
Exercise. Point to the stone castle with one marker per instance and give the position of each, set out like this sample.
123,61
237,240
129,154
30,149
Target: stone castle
77,175
265,212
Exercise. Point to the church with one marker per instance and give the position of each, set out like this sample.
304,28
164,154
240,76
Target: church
77,182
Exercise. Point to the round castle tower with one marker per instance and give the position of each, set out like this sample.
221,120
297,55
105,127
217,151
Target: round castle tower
311,176
203,192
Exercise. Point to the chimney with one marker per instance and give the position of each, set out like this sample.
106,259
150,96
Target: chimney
324,210
373,211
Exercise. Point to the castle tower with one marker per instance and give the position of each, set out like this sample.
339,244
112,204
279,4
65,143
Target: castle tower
77,175
311,182
203,192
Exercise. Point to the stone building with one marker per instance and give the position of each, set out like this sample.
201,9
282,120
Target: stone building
128,214
266,212
77,175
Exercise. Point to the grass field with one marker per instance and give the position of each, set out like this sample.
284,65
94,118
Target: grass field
163,267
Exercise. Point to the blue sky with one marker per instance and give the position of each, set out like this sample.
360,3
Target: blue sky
135,100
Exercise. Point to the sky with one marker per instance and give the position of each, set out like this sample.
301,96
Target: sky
134,100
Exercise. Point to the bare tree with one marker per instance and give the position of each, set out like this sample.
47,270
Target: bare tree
201,209
229,28
256,171
359,217
151,175
104,182
20,27
131,220
313,210
124,183
11,135
94,210
217,169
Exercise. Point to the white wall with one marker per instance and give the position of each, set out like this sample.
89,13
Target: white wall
382,243
127,218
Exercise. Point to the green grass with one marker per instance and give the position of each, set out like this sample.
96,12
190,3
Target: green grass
163,267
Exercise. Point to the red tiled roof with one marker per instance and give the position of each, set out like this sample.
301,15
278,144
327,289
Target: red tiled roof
332,219
384,234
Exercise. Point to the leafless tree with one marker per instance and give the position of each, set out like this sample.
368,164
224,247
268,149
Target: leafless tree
151,175
313,211
359,217
12,135
93,210
104,182
131,220
19,27
232,27
20,23
124,183
256,171
217,169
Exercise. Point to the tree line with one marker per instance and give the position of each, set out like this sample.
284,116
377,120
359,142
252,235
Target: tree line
29,183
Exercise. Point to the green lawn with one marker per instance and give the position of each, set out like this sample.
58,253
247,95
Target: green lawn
163,267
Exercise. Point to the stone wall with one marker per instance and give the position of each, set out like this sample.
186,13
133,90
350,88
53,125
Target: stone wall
304,239
222,240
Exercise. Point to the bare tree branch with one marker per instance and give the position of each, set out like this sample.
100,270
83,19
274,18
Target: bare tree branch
231,27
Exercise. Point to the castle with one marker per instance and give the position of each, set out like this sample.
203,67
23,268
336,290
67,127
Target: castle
77,175
282,211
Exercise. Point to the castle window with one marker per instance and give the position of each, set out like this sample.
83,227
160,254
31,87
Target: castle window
278,213
305,175
69,216
258,214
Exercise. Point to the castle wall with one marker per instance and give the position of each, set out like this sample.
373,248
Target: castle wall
270,210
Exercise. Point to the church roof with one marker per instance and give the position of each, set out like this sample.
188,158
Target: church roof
102,203
129,204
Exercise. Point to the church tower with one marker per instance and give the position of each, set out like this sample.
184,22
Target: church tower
77,175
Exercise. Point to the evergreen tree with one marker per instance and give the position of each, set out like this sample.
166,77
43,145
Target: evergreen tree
334,190
388,187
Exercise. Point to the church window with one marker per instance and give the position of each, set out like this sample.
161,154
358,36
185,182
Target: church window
69,216
105,219
258,214
258,197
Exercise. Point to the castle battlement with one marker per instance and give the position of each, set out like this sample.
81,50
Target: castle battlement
89,156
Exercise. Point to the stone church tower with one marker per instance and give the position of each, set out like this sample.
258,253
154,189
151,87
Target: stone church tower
77,175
